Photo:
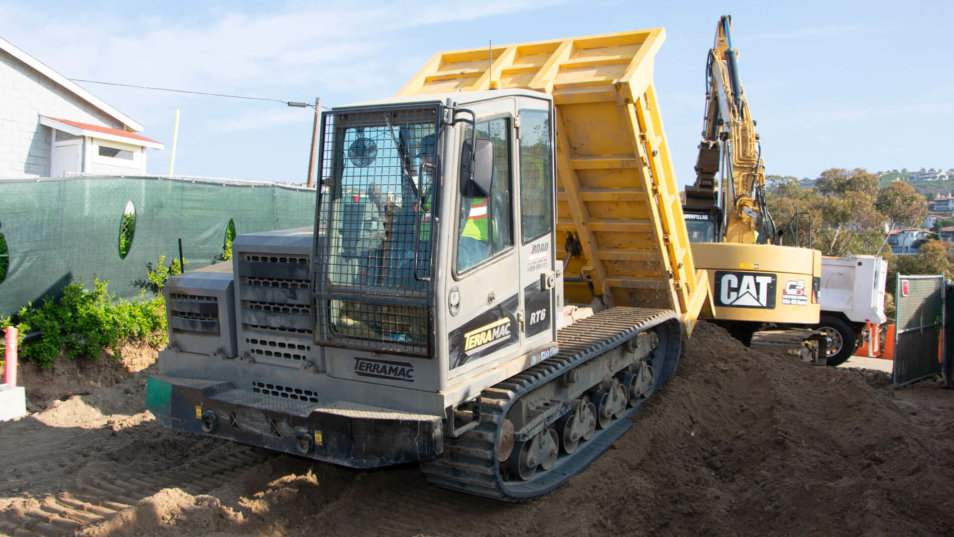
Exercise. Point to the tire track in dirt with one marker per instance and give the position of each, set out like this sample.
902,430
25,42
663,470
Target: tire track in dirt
103,495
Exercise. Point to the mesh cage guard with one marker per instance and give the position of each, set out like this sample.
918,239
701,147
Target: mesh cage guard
376,201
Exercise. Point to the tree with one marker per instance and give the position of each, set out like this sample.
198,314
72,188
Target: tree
943,223
850,221
786,198
934,257
902,206
848,209
839,182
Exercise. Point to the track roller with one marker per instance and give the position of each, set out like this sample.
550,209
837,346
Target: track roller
610,403
638,384
540,451
577,424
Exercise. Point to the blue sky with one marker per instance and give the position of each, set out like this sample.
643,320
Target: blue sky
832,84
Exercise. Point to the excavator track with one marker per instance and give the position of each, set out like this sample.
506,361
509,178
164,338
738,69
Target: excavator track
470,463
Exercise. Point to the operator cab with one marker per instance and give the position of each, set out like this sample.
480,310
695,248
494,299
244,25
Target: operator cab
439,252
702,226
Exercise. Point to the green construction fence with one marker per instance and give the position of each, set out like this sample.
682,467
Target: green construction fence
57,231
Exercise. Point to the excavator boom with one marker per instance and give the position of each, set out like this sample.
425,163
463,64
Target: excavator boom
730,144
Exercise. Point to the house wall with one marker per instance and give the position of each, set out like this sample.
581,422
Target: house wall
941,205
25,94
903,242
104,165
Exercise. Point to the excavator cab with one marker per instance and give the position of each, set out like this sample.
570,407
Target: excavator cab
703,226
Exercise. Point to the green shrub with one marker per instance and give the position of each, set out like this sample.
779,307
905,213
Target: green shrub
5,257
84,323
156,276
127,230
229,237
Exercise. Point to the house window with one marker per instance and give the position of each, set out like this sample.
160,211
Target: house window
114,152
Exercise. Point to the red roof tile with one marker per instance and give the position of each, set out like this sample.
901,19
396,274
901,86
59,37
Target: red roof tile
105,130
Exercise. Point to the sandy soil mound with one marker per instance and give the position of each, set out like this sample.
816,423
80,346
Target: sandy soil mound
741,442
65,378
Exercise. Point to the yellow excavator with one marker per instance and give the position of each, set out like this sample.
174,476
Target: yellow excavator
753,280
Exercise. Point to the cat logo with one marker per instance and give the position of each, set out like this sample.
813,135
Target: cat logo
486,335
745,290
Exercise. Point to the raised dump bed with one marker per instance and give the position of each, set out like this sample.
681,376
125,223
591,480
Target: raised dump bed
618,202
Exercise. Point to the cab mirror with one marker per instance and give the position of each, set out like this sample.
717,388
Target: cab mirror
476,168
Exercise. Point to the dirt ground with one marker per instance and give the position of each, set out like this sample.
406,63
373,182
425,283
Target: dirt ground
741,442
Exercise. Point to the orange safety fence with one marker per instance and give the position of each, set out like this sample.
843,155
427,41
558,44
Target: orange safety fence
873,347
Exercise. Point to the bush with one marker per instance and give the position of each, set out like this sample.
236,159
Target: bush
84,323
227,245
156,276
127,230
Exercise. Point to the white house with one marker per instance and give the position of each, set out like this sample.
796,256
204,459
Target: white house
49,126
905,241
928,176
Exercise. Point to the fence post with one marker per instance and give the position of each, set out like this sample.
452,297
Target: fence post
10,357
12,397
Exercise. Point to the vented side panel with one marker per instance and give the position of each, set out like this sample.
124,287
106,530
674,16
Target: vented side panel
274,300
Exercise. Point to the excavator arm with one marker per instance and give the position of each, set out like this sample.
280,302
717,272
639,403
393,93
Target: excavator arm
730,145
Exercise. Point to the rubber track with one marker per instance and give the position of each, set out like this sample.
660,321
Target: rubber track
469,464
91,502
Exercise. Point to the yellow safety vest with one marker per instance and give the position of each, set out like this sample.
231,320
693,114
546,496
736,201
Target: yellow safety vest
476,226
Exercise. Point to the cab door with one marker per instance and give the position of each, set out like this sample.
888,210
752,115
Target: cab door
535,212
484,297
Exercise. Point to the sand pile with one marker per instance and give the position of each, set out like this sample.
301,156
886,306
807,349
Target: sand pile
741,442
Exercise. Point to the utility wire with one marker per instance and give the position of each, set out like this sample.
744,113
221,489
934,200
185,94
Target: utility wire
289,103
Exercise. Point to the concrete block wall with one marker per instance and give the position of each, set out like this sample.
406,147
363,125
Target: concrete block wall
25,95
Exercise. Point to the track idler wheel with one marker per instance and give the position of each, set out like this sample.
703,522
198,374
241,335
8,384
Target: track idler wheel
541,451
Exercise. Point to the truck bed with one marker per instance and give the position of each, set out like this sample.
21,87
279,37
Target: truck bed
616,192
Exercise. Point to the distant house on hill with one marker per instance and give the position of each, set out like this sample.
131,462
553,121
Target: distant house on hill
52,127
947,234
942,204
927,176
905,241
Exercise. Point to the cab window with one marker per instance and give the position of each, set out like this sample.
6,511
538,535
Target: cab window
485,225
700,230
536,202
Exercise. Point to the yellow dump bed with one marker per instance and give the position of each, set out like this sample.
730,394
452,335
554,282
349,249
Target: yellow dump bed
616,190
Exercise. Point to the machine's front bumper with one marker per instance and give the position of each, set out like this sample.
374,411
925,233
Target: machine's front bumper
352,435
